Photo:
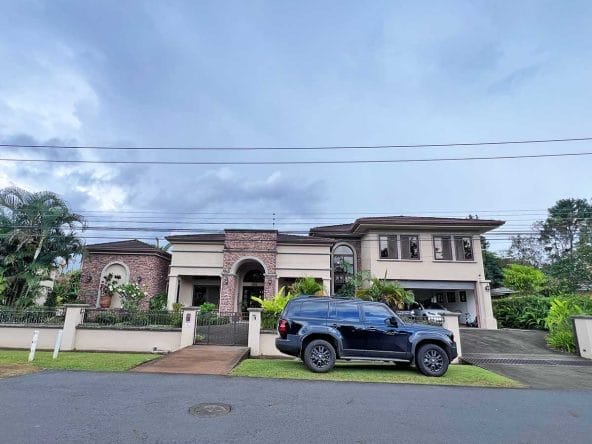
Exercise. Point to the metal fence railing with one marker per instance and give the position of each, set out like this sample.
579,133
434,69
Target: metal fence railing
114,318
222,328
33,316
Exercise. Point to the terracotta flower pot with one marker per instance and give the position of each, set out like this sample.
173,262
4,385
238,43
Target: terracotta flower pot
105,301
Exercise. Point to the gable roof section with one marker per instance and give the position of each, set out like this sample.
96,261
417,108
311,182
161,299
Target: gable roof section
132,246
282,238
406,221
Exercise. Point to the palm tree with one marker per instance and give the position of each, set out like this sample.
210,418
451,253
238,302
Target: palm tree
37,229
389,292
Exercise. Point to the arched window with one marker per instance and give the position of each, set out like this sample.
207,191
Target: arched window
343,266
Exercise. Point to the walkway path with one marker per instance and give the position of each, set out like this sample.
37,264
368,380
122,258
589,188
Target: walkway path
524,356
197,360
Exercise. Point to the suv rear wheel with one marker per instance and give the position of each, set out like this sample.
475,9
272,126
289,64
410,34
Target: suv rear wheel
319,356
432,360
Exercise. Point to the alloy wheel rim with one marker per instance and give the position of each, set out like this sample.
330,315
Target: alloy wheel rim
433,360
320,356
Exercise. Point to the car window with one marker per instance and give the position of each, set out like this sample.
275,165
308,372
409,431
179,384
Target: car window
291,309
346,312
376,313
314,309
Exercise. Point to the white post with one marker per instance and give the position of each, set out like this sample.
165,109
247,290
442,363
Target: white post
255,331
58,343
451,323
583,334
34,345
74,317
188,326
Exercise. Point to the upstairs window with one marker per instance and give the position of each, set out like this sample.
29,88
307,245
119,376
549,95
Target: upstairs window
462,251
343,266
464,248
409,247
443,248
388,247
402,246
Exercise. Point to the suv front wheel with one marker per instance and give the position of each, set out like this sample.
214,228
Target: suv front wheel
319,356
432,360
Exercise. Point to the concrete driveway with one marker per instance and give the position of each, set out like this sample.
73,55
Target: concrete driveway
87,407
524,356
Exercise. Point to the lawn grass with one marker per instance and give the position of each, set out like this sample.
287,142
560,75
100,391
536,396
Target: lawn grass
101,362
463,375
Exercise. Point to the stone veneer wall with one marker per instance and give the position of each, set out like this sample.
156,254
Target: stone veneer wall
153,270
241,245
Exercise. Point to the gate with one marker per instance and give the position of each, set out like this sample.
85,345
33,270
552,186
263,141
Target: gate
222,328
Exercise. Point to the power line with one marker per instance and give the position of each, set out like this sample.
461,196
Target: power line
296,162
295,148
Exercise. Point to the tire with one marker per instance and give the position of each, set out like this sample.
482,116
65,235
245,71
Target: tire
319,356
432,360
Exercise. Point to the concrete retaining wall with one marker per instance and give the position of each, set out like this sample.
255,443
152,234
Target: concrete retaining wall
117,340
21,337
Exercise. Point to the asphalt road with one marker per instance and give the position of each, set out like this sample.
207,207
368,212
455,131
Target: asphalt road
153,408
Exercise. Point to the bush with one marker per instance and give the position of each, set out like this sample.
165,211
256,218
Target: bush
105,318
158,302
207,307
526,312
272,308
524,279
559,322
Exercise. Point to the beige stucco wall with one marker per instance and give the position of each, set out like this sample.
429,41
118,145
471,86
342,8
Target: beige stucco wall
197,259
303,260
117,340
267,345
21,337
427,268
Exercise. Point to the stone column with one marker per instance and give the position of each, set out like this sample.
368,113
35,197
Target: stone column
583,334
270,286
173,291
228,293
327,285
74,317
451,323
255,331
188,326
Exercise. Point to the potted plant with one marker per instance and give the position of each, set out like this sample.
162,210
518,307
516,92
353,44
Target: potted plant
108,288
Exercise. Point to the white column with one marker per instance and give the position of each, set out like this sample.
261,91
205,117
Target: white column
188,326
74,317
172,291
451,323
583,334
255,331
485,309
327,285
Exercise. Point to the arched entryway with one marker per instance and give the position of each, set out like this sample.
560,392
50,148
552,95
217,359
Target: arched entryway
251,279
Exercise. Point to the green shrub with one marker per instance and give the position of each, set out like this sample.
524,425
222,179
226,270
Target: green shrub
526,312
559,322
272,308
207,307
105,318
158,302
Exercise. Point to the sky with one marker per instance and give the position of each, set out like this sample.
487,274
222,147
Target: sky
286,74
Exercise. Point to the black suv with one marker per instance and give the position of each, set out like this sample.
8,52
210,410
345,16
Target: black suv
320,330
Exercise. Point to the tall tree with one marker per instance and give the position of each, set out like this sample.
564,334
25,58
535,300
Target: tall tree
38,229
565,221
492,264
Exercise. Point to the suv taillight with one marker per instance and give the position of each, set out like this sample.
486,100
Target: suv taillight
283,328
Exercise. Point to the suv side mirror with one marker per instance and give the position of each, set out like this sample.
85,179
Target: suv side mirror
393,321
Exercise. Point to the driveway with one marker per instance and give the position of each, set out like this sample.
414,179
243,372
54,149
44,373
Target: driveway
197,360
74,407
523,355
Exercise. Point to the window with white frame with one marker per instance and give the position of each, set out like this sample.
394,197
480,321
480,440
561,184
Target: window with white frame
404,246
462,251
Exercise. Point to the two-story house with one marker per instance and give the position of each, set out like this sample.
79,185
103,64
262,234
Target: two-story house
439,259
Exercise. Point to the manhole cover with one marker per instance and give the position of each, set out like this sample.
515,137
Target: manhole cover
210,409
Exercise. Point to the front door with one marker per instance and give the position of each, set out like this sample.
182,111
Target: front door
249,292
382,339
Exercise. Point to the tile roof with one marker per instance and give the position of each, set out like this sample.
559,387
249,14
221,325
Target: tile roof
220,237
127,246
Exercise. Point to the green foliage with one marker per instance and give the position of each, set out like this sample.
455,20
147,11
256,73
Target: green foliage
492,265
525,312
272,308
524,279
131,295
38,234
353,283
207,307
307,285
158,302
388,292
559,322
65,289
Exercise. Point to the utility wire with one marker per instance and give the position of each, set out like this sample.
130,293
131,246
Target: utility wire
294,148
294,162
